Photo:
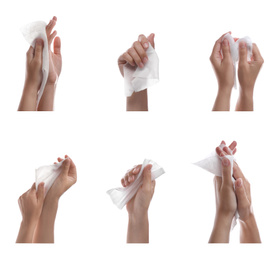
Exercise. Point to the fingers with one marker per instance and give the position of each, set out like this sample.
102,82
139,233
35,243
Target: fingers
217,45
133,53
126,57
51,37
57,46
130,176
226,172
242,199
30,54
237,173
226,50
39,49
147,182
66,167
140,51
233,145
33,188
41,192
256,54
51,25
242,53
150,38
144,41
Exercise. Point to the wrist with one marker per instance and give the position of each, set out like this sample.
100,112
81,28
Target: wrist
138,219
246,94
224,220
28,224
31,88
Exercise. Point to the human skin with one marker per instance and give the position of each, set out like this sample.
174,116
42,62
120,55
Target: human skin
137,207
44,232
249,232
33,78
247,74
55,67
136,56
224,71
30,204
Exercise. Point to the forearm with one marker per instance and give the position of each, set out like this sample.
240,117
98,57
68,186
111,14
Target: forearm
222,101
26,232
47,100
221,230
28,100
249,232
44,232
138,101
138,229
245,101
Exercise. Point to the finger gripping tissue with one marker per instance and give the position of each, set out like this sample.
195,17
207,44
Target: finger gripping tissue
137,79
121,196
31,32
234,48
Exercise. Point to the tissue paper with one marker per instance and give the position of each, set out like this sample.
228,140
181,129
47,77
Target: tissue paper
31,32
121,196
213,164
137,79
48,174
234,48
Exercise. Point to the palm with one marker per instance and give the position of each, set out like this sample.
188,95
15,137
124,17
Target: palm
55,66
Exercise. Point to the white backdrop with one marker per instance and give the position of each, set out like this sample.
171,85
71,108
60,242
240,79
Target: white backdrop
90,124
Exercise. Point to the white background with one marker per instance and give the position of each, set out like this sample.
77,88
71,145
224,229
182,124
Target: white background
90,124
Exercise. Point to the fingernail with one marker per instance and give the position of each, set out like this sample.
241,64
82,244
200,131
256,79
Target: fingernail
225,161
134,171
129,178
145,45
125,182
145,60
141,65
225,42
242,45
239,183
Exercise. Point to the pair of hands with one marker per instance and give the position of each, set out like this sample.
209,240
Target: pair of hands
136,56
224,70
34,75
231,198
32,202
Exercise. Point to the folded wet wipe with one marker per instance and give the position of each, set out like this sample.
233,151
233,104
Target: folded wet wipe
31,32
48,175
234,48
137,79
121,196
213,164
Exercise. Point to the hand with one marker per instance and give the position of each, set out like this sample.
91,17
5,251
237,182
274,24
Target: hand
34,60
224,192
247,75
223,65
31,204
136,55
65,180
55,58
139,204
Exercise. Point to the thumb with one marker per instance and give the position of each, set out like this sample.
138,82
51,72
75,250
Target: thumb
39,49
226,172
150,38
241,194
41,192
65,167
242,53
147,182
226,49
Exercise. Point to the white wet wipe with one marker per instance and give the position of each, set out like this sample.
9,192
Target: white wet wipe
31,32
121,196
48,174
137,79
213,164
234,48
